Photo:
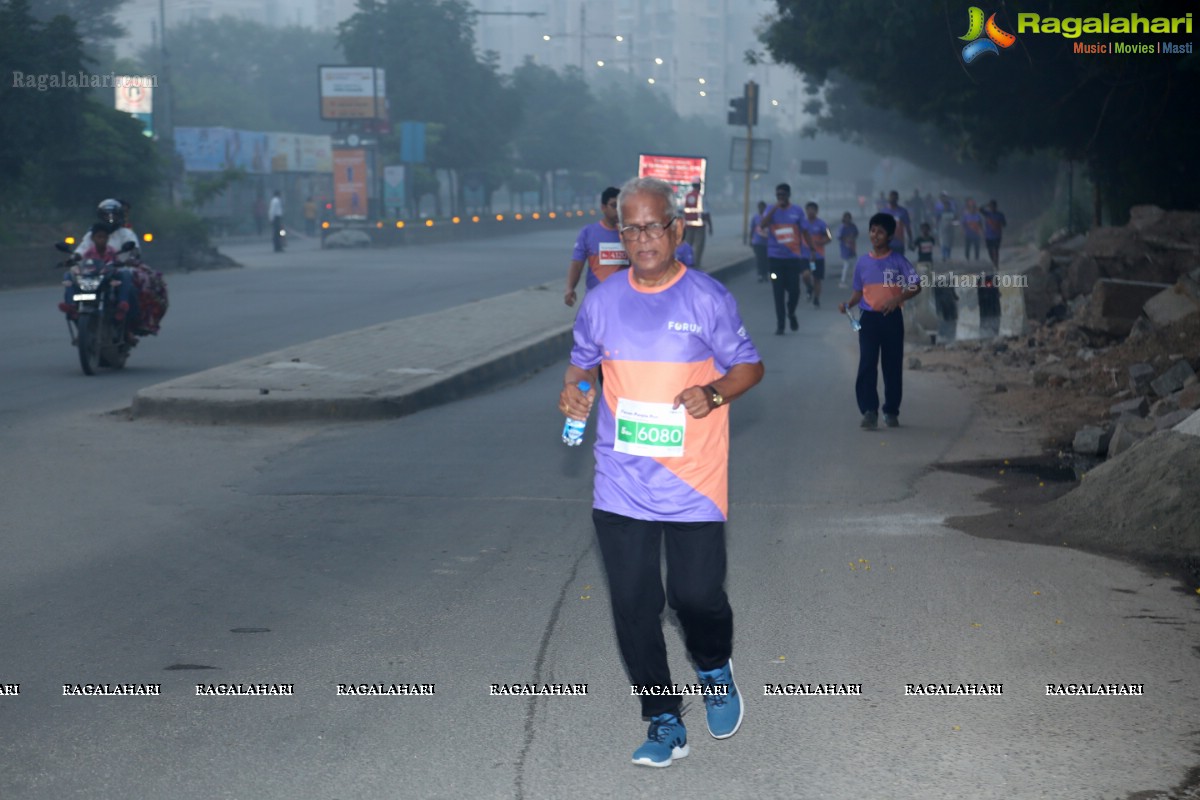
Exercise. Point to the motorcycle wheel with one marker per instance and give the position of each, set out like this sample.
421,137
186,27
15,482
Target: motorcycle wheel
89,343
117,351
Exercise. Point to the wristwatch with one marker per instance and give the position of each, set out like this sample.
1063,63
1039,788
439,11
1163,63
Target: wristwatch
715,399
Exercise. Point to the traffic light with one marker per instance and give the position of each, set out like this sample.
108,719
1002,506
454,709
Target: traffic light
737,111
744,110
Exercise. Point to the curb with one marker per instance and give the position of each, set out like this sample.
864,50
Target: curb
475,376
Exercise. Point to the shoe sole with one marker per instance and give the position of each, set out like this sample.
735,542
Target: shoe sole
676,753
741,709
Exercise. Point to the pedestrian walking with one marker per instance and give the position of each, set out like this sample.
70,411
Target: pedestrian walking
310,216
994,223
816,236
945,214
883,280
276,214
903,237
847,245
758,243
599,246
697,221
785,239
675,353
972,227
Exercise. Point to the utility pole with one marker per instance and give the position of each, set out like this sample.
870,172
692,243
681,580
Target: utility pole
751,100
166,131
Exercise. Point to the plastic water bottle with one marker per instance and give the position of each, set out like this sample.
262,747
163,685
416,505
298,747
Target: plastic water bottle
855,325
573,428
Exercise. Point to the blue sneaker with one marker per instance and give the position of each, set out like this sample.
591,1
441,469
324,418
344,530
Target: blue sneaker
666,740
724,711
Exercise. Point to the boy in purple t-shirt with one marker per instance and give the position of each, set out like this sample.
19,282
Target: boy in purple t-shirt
883,280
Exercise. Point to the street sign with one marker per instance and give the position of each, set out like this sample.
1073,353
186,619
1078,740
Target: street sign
760,155
814,167
412,142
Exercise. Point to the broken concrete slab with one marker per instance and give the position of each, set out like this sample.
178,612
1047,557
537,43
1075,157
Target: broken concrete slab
1091,441
1116,305
1171,420
1164,406
1138,406
1128,433
1188,397
1173,304
1172,380
1140,376
1190,426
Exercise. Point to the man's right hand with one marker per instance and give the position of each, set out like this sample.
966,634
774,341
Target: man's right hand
569,297
574,403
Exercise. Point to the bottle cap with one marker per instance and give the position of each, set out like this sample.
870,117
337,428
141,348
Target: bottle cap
584,386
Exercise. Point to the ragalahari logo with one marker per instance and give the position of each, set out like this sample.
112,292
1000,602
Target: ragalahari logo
996,40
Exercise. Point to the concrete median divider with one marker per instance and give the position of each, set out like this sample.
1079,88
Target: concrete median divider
383,371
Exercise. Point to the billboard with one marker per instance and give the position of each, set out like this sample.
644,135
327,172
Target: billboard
679,171
300,152
352,92
136,96
350,183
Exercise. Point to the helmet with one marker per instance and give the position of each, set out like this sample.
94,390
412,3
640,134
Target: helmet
110,211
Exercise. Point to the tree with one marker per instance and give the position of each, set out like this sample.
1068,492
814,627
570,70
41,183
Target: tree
561,127
434,74
95,20
237,73
1117,115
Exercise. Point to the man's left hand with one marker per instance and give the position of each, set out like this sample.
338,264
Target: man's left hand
695,400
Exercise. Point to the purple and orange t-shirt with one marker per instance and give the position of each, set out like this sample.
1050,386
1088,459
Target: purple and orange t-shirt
654,462
818,233
783,232
880,278
601,248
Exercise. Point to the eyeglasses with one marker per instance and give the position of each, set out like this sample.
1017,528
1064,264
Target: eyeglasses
653,230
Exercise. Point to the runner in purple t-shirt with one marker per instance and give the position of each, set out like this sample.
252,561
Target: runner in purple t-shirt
598,247
675,353
883,280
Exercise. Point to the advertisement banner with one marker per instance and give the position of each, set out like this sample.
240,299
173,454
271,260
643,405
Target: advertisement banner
350,183
352,93
393,190
679,171
202,149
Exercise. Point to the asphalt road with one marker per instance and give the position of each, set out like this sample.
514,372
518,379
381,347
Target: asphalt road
454,547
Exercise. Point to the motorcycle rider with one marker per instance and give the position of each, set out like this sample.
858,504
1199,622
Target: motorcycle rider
100,249
112,213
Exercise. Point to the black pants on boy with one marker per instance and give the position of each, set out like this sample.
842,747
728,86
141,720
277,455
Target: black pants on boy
786,281
880,344
695,589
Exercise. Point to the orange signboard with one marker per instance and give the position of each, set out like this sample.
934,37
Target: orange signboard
350,183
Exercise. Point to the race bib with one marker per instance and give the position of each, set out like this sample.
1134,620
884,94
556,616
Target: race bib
649,429
788,236
612,254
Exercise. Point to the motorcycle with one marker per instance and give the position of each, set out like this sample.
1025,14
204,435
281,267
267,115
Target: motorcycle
101,338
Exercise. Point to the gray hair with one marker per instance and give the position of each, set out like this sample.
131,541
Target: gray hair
651,186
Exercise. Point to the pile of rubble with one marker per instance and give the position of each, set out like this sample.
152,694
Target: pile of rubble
1109,362
1105,366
